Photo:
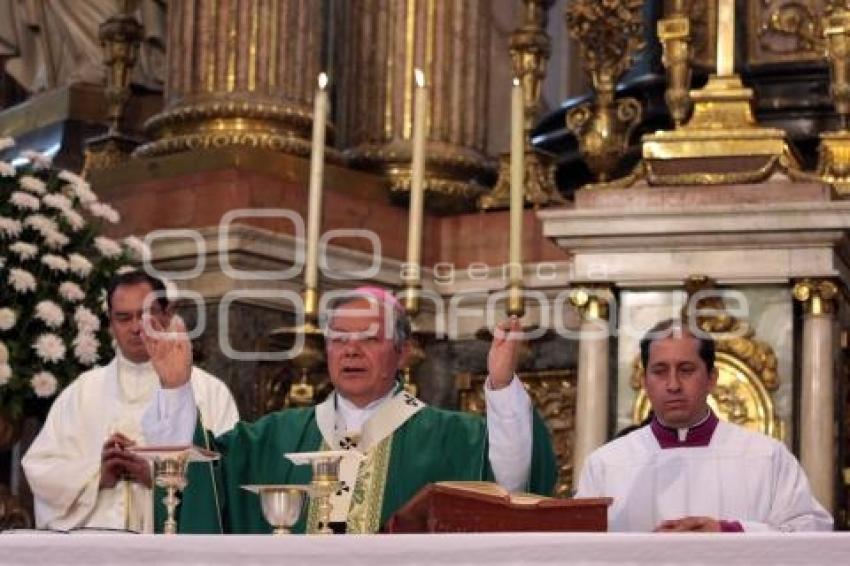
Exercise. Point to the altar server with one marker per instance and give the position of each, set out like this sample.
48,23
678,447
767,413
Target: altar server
79,469
689,471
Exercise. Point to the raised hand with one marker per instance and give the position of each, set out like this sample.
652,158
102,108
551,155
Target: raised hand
504,350
169,350
689,525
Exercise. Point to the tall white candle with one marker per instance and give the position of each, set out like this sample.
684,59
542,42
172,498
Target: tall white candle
725,38
417,174
517,180
317,164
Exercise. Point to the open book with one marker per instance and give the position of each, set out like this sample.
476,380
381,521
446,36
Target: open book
480,507
493,490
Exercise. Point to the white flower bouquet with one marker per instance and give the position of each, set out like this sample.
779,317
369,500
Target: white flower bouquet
54,268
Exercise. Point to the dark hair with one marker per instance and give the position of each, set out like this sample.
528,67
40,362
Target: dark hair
137,277
678,327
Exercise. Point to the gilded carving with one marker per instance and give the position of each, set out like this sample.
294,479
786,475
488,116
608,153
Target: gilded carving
609,34
553,393
786,30
818,296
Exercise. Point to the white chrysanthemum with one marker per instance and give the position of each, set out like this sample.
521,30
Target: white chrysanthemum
55,240
57,201
10,227
85,348
107,247
49,347
39,160
7,169
21,280
24,201
79,265
24,250
4,353
73,178
75,219
8,318
44,384
80,187
138,248
40,223
86,320
105,211
33,184
50,313
71,292
55,262
6,142
5,374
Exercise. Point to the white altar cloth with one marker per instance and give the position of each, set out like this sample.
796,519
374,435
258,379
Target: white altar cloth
455,550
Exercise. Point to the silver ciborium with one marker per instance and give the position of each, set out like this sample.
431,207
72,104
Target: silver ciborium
281,504
170,465
325,481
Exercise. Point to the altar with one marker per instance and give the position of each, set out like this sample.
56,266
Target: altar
775,549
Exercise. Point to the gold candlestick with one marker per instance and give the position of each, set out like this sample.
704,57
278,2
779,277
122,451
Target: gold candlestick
120,37
530,48
722,142
834,151
674,32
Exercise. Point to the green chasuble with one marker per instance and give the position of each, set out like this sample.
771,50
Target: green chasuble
432,445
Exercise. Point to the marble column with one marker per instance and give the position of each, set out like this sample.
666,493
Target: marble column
817,401
239,74
378,45
591,417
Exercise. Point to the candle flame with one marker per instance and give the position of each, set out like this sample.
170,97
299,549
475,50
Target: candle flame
516,81
323,80
420,77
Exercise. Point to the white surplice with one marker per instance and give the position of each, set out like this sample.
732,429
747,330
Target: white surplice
739,476
63,463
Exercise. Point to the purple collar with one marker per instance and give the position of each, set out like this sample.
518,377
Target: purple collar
699,435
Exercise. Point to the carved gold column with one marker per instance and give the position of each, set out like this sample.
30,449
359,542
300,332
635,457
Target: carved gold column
239,74
591,418
380,44
817,414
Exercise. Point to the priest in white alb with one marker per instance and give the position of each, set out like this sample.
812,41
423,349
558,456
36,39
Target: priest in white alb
79,469
689,471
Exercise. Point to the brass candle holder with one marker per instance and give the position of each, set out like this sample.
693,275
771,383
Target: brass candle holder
311,356
834,152
530,48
